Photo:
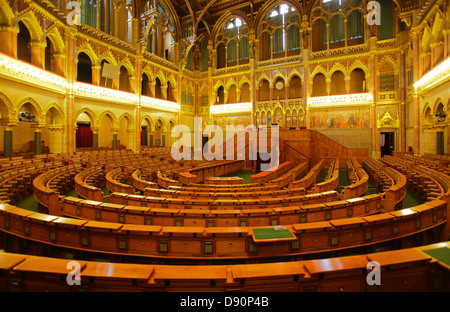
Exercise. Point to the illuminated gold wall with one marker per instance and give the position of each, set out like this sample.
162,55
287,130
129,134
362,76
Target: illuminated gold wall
308,64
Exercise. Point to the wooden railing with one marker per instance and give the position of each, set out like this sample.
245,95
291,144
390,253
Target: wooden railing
331,181
201,243
359,185
310,178
414,265
85,188
106,212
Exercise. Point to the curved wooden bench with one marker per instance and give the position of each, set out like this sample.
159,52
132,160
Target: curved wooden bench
331,181
291,175
310,178
360,181
212,201
84,188
45,193
213,243
115,186
273,173
99,211
405,270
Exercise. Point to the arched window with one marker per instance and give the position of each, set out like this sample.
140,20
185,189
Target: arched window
124,79
129,21
84,68
145,90
105,15
357,81
89,12
295,87
319,87
232,45
336,23
264,90
23,43
161,36
337,83
279,32
205,55
220,96
245,93
158,93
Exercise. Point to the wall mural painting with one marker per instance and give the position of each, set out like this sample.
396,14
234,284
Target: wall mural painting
341,119
233,120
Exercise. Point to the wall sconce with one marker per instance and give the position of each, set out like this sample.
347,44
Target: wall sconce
441,116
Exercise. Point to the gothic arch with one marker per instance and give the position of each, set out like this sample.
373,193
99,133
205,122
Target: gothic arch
31,22
55,106
35,105
90,113
89,51
6,13
128,117
112,117
8,108
56,39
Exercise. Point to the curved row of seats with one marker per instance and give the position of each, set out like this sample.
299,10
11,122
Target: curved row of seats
47,185
212,201
214,243
392,183
85,182
406,270
424,186
331,181
111,212
298,171
310,178
359,180
273,173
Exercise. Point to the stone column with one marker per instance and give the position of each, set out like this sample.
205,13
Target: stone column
416,102
60,64
94,138
8,38
114,143
8,140
56,139
37,141
96,73
38,53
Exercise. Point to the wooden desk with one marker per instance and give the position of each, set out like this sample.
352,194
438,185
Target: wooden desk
224,180
272,234
9,260
267,270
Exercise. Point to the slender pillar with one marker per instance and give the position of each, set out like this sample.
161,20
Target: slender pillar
38,53
416,102
402,108
7,141
373,90
56,139
96,73
8,38
114,143
37,141
69,100
60,64
94,139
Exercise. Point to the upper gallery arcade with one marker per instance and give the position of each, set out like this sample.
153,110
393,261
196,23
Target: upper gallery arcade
124,73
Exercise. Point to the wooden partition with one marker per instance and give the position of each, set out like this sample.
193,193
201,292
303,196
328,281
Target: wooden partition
410,269
313,212
200,174
332,180
175,242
